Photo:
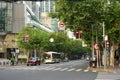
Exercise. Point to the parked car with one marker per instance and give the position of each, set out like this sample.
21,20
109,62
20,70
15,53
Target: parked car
33,61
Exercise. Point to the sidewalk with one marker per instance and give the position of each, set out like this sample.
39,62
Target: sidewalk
116,69
19,64
107,74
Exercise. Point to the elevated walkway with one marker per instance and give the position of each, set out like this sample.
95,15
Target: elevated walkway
35,21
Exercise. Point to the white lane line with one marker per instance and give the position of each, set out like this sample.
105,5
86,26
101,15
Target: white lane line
71,69
94,71
86,70
64,69
56,69
51,68
60,65
78,70
45,68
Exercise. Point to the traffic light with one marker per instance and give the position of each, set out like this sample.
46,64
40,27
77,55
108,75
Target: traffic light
77,34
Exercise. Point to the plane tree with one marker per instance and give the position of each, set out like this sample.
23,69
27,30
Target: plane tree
32,39
85,14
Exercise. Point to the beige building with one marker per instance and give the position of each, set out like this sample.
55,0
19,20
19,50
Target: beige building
16,16
45,19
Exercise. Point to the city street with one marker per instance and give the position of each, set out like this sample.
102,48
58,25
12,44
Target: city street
80,38
72,70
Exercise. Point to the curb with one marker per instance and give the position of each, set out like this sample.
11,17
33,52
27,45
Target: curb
98,69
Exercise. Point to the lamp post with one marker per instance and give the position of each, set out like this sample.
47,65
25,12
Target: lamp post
92,44
51,40
105,38
35,51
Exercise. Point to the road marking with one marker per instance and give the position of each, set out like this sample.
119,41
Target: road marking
44,68
60,65
71,69
51,68
56,69
86,70
64,69
78,70
94,71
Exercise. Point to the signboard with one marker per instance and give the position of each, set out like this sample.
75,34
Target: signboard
96,47
61,26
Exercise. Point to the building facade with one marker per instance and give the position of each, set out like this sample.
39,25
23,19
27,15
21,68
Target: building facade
5,25
46,7
13,17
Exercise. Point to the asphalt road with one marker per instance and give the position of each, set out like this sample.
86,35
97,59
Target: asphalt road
73,70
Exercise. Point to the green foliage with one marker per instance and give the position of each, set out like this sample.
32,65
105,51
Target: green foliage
37,38
23,60
75,47
86,13
63,44
60,38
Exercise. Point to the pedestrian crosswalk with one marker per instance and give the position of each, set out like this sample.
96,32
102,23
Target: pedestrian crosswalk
38,68
69,67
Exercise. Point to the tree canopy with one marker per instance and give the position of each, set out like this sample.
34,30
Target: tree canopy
82,15
36,38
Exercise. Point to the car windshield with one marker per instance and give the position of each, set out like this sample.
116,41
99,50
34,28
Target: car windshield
33,59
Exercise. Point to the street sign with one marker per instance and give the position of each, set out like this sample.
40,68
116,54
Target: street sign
96,47
61,26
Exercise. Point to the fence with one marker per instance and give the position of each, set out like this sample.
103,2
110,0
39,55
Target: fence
5,62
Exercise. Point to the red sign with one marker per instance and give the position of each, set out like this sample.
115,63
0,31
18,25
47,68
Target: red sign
61,25
96,47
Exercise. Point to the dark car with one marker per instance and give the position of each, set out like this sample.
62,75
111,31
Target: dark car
33,61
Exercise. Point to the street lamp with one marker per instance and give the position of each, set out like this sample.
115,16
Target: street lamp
105,38
35,51
51,40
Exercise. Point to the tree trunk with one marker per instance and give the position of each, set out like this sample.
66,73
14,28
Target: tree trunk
112,53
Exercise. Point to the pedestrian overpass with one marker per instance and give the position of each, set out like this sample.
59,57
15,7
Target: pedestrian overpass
35,21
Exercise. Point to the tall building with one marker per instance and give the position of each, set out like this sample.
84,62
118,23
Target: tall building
46,7
5,24
14,16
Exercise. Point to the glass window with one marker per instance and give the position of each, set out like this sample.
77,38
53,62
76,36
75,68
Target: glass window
3,5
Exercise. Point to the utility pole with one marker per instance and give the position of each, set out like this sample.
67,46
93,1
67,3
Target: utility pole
104,49
97,51
92,44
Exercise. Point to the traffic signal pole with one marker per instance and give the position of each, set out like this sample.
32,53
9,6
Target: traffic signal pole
92,44
104,50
